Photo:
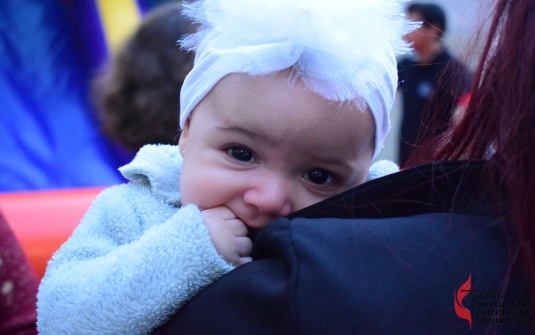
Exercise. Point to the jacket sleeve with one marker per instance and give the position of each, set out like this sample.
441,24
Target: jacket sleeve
132,262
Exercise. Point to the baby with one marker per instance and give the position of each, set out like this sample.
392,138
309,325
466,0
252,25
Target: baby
256,149
286,106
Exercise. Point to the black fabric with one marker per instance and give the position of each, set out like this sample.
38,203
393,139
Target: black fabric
421,105
450,187
391,265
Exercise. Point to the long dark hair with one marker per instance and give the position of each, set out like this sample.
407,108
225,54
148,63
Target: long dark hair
498,124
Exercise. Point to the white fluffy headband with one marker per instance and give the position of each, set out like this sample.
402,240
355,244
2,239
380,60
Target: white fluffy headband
344,50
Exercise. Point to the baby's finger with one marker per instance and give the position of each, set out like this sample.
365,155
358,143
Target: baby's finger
244,260
221,212
237,227
244,246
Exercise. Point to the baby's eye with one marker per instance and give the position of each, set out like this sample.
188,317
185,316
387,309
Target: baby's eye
241,154
319,176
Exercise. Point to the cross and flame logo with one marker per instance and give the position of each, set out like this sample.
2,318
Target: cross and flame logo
458,297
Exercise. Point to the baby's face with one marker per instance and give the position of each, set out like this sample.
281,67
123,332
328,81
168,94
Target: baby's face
265,149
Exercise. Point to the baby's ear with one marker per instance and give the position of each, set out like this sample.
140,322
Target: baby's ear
184,137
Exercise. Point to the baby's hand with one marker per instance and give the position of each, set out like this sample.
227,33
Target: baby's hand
228,234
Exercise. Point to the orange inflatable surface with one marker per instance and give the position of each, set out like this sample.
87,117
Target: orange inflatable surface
43,220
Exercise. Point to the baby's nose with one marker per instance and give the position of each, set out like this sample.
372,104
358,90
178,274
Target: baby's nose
271,196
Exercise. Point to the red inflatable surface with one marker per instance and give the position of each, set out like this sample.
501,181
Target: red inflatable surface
43,220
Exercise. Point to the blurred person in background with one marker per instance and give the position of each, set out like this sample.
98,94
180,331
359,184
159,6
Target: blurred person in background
51,51
431,79
137,98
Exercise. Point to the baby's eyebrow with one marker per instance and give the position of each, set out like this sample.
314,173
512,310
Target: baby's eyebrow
249,133
331,161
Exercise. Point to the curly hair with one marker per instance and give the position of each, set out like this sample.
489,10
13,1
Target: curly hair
138,99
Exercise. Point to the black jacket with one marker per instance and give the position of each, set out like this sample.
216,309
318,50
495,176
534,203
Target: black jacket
430,93
387,257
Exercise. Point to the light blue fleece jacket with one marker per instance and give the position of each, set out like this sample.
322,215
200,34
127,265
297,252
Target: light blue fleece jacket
135,258
137,255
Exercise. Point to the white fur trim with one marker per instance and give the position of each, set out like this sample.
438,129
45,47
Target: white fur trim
382,168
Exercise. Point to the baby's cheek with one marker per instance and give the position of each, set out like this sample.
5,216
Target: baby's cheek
300,196
189,190
199,190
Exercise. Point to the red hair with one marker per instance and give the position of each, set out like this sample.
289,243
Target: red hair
498,124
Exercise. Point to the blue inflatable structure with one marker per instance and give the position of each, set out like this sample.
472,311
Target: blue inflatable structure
49,136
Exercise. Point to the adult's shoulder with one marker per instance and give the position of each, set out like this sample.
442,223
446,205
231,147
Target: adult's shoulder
438,187
451,60
387,253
